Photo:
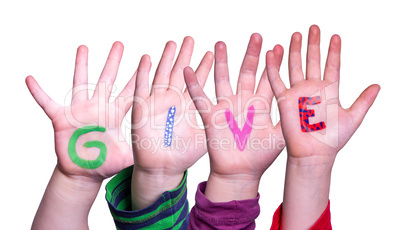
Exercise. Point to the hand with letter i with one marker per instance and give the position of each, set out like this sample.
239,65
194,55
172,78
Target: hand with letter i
242,141
165,131
314,125
89,143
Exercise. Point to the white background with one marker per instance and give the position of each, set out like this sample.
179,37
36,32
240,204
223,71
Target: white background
40,38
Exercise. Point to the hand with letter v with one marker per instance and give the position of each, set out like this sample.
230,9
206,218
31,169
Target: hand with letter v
242,141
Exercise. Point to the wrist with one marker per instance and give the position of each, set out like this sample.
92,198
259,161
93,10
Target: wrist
147,186
306,193
66,202
309,176
75,188
225,188
312,167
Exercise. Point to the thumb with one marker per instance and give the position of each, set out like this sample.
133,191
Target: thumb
201,101
48,105
363,103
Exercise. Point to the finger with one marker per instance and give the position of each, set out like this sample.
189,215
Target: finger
128,90
333,64
264,88
313,67
277,85
109,72
363,103
222,83
142,83
203,70
295,66
278,50
125,98
45,102
278,129
162,74
201,100
80,81
183,60
248,70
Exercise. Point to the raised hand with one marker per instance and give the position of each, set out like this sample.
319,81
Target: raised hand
89,142
242,141
314,124
340,124
165,131
105,118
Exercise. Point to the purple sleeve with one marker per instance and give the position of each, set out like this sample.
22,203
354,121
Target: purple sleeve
236,214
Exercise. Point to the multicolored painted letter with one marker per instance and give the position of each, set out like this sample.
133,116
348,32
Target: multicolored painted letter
305,113
240,136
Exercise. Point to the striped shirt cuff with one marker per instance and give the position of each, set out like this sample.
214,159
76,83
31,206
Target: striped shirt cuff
170,211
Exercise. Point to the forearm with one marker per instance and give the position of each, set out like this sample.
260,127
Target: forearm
306,194
147,187
66,202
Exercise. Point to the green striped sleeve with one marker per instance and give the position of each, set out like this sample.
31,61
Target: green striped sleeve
170,211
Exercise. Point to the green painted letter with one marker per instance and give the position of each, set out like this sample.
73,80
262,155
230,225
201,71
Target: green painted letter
88,164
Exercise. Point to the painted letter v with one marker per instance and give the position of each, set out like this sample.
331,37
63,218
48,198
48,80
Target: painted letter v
240,136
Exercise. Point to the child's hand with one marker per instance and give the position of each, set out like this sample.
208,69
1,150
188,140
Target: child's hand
312,138
166,137
89,143
237,165
339,124
110,153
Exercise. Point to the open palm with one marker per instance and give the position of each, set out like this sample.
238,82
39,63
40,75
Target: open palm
98,119
248,157
340,124
150,113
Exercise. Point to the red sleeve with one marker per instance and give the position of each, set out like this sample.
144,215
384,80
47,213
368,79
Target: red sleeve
323,223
